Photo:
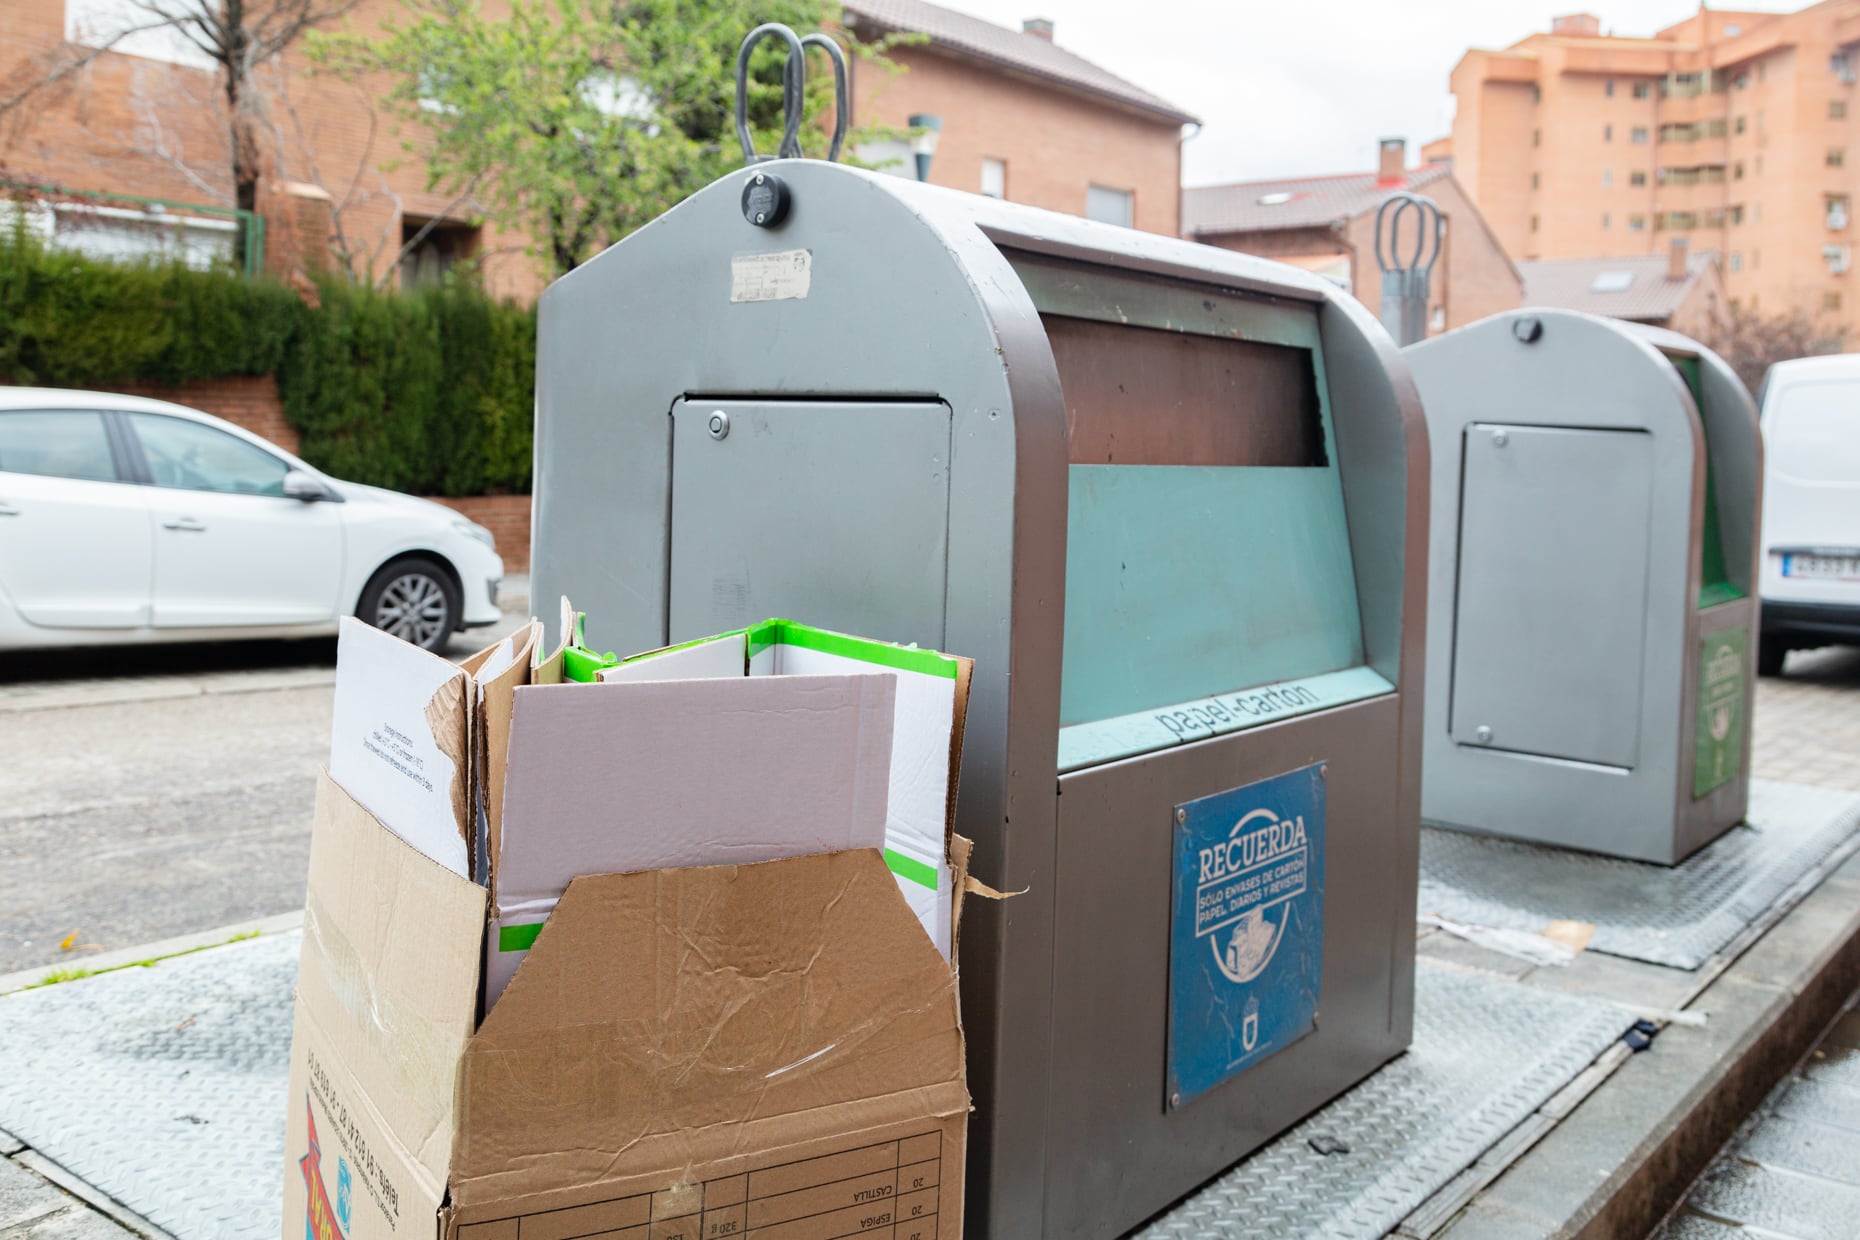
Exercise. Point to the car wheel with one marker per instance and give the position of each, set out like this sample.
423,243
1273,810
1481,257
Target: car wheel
1771,651
414,600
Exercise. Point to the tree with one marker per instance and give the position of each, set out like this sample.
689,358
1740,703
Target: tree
578,121
236,38
1750,343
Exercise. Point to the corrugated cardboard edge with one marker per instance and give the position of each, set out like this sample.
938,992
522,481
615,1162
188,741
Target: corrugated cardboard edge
959,721
493,731
450,720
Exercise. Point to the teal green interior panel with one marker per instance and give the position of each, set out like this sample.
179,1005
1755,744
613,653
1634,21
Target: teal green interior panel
1714,582
1185,581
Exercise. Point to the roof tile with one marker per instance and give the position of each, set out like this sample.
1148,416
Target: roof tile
1307,202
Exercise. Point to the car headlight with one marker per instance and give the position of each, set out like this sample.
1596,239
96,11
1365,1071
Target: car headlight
471,529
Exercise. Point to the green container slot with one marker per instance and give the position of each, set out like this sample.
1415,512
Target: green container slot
1714,583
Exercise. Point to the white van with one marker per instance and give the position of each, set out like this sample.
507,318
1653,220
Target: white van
1810,578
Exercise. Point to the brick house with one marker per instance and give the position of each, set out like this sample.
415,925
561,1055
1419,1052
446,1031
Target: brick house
1678,290
1022,118
1327,225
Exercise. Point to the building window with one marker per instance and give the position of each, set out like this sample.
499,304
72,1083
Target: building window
1837,109
1608,178
1737,170
432,247
1639,135
1537,137
1604,220
1534,180
1637,223
994,178
1737,260
1737,215
1841,65
1739,125
1608,133
1110,206
1608,88
1741,81
1637,177
1830,301
1836,157
1537,93
1533,223
1643,89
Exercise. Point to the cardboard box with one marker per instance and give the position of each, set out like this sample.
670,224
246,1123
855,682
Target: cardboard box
770,1051
932,703
613,778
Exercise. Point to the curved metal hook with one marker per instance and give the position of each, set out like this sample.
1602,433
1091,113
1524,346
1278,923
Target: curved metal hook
793,82
1429,233
842,106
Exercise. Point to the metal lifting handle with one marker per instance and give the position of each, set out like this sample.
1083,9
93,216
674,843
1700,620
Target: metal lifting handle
1405,285
793,93
842,104
1429,227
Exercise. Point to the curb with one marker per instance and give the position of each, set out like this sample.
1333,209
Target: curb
1631,1150
128,957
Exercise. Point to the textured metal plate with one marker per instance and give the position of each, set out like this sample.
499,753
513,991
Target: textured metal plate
1676,915
162,1086
1486,1054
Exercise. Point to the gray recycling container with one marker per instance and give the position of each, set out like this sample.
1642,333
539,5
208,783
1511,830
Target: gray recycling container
1170,499
1592,636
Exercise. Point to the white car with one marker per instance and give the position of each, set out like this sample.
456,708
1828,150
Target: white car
131,520
1810,580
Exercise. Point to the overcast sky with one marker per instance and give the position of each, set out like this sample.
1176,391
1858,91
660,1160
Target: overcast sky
1297,87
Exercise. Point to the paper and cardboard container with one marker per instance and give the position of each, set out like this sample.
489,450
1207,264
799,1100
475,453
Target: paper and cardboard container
768,1049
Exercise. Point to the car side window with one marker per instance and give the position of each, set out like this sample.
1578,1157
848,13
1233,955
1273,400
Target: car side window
56,443
188,456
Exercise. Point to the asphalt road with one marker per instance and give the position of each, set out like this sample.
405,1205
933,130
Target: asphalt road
153,792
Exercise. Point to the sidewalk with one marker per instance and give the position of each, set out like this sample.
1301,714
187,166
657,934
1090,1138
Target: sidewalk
1794,1172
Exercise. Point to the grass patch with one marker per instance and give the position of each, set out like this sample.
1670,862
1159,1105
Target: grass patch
59,976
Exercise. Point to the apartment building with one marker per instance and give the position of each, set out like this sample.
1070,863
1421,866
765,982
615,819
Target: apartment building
1734,132
1327,225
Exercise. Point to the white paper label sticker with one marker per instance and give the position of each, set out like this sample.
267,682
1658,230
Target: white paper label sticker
782,276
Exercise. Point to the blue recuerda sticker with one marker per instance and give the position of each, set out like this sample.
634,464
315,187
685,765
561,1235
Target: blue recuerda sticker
1246,944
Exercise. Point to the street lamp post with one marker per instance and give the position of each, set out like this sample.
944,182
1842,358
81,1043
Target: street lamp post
923,145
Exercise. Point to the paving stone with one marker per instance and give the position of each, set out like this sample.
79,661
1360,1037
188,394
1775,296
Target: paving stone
1783,1203
1806,1146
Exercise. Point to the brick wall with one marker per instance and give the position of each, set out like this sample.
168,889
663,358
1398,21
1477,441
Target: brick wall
508,519
1054,144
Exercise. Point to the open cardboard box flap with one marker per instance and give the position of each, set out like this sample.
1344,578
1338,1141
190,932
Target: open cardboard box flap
670,1019
389,975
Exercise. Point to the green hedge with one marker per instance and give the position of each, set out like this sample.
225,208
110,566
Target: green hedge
428,392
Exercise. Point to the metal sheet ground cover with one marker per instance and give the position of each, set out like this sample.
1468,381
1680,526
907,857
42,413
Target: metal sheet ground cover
1486,1054
163,1086
1676,915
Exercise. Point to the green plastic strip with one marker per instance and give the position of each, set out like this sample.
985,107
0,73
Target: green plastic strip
1714,582
910,867
903,658
517,938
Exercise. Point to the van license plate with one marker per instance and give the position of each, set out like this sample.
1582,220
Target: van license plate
1828,567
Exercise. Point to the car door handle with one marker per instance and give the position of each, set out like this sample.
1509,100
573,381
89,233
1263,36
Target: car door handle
7,510
186,525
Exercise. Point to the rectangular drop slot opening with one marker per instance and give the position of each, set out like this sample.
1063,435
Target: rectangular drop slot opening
1147,396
